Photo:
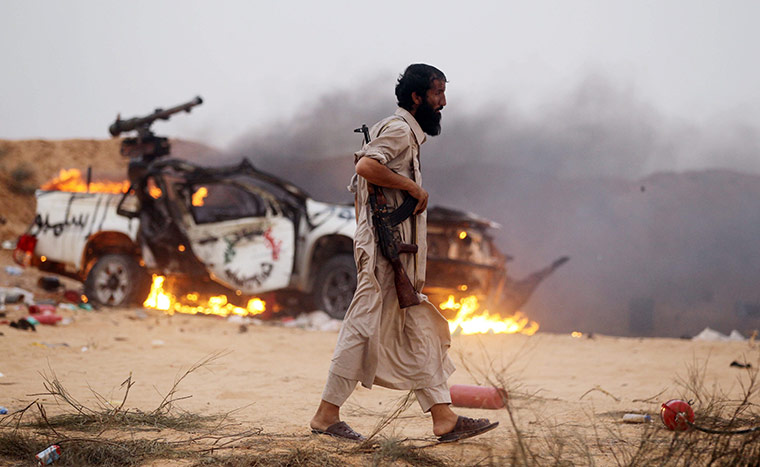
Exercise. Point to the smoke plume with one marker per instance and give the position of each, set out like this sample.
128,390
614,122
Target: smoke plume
659,215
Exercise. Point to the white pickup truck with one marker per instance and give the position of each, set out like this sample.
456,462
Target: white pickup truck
242,232
230,229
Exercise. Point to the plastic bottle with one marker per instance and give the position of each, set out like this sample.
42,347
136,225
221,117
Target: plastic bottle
637,418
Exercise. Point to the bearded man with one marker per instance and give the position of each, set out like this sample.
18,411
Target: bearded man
379,342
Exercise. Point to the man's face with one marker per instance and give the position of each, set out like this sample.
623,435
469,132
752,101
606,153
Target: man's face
428,114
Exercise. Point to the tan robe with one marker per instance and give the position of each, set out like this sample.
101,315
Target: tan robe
379,343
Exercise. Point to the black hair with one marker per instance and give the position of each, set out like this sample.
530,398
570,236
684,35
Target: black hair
417,78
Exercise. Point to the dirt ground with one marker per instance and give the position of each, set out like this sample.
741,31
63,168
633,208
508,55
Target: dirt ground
571,389
271,376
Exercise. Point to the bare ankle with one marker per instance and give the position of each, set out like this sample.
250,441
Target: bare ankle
327,414
444,419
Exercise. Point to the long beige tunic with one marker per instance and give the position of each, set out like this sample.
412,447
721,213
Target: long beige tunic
379,343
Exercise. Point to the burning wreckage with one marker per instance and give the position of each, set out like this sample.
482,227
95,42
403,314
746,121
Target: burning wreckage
227,240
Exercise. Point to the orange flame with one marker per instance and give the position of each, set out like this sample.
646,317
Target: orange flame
471,320
199,195
160,299
71,180
154,191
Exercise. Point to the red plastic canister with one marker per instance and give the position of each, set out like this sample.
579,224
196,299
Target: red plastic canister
477,397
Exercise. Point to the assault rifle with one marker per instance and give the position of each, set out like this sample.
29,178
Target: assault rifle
385,221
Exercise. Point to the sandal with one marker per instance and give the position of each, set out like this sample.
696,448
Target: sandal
340,430
467,428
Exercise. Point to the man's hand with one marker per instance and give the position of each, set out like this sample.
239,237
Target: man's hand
378,174
421,195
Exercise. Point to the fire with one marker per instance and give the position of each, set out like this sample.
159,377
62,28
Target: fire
71,180
161,299
199,195
471,320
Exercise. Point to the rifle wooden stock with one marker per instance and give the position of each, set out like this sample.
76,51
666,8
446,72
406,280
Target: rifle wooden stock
405,292
390,248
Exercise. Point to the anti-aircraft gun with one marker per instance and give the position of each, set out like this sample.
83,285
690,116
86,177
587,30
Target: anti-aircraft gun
146,146
157,226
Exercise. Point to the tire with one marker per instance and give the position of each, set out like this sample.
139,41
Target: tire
335,285
116,280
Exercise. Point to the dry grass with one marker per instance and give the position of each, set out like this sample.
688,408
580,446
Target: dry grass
298,457
119,433
730,433
118,436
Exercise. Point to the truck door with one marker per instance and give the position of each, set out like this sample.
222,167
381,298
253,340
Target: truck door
241,235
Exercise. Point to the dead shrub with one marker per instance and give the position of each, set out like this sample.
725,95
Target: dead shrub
21,180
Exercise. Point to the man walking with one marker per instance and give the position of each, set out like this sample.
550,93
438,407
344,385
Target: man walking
379,342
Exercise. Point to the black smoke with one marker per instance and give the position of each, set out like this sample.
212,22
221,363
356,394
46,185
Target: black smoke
660,215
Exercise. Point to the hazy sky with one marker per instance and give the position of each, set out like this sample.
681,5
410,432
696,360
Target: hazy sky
69,67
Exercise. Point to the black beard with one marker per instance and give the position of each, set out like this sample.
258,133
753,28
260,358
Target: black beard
428,118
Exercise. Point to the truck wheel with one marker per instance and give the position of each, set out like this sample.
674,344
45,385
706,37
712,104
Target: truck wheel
115,280
335,285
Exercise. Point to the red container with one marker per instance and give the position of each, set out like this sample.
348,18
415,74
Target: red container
677,415
48,318
477,397
41,308
72,296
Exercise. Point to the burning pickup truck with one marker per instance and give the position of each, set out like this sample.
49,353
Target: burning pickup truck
235,231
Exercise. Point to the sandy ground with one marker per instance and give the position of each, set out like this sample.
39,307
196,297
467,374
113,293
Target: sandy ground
272,376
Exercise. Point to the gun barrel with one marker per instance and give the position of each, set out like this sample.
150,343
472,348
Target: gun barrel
120,126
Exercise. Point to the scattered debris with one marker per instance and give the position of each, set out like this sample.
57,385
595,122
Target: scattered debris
244,320
49,455
637,418
3,410
45,313
49,283
15,295
712,335
8,245
740,365
24,324
48,318
139,314
41,308
50,346
157,343
315,321
13,270
72,296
